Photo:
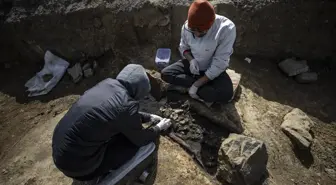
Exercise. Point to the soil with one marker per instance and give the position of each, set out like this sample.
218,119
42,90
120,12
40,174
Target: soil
25,138
202,137
266,95
265,28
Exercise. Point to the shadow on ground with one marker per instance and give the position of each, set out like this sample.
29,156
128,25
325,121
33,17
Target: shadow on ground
265,79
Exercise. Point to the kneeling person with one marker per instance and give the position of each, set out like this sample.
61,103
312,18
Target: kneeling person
102,130
206,43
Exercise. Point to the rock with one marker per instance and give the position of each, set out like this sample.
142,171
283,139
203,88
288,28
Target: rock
293,67
331,172
174,116
88,72
242,160
75,72
235,78
296,126
86,66
4,171
158,86
226,116
307,77
182,122
248,60
178,111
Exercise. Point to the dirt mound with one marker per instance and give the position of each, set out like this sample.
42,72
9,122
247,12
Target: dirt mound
78,29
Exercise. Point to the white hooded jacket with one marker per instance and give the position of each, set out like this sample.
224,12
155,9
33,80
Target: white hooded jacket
213,50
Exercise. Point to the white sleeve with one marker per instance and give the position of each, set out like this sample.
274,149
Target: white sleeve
221,58
183,42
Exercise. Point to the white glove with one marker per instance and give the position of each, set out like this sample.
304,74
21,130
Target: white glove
164,124
193,92
155,118
194,69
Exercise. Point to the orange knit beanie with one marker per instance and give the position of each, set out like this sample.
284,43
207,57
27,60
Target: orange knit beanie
201,15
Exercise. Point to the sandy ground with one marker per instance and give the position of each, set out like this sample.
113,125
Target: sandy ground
31,162
266,95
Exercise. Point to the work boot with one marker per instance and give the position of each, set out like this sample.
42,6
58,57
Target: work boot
158,86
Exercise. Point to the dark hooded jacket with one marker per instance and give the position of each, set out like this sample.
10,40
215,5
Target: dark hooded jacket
109,108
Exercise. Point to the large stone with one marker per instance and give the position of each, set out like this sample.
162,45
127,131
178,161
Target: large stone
76,72
242,160
308,77
225,116
296,126
235,78
293,67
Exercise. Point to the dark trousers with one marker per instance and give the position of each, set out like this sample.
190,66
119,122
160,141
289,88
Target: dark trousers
218,90
117,153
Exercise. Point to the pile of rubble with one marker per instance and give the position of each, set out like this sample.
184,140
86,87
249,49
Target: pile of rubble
298,69
234,158
77,71
204,132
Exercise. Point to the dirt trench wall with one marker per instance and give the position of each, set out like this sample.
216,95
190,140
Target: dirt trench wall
77,29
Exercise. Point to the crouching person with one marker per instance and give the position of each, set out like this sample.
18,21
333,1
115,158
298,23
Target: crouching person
103,129
206,44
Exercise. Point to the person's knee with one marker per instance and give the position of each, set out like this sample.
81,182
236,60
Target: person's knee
166,74
225,95
207,94
209,98
216,95
224,88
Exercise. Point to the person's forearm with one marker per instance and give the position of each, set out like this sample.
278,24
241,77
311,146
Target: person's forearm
155,129
142,137
145,117
201,81
188,55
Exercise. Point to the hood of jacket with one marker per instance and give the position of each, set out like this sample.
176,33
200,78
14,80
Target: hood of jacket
136,81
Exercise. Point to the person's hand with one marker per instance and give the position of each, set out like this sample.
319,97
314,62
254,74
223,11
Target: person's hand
155,118
164,124
194,68
193,92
